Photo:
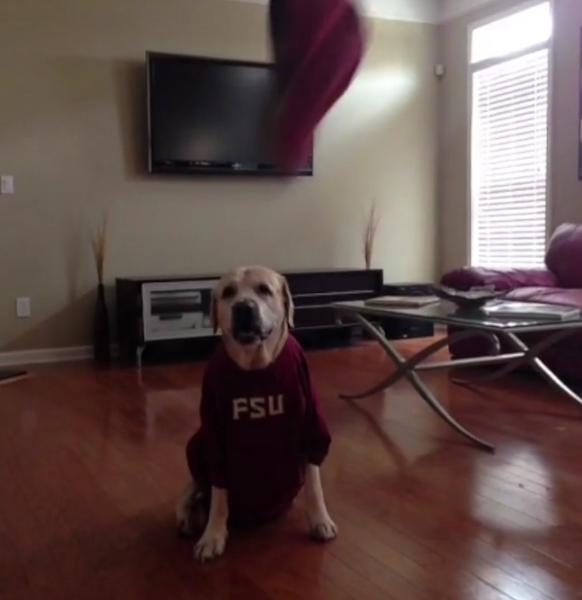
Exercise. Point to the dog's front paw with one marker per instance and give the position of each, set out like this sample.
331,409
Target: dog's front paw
323,530
211,545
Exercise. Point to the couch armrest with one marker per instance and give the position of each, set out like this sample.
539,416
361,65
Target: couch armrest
505,280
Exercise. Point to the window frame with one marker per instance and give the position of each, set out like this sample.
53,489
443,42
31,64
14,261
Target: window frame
472,68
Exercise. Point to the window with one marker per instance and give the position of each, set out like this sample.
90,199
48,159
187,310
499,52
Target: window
509,145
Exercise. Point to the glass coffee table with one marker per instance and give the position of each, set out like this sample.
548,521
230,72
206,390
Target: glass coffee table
471,323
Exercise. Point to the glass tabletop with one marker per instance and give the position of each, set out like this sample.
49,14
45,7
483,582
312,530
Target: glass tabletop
447,313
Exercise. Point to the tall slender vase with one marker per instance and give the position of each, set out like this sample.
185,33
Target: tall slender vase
101,335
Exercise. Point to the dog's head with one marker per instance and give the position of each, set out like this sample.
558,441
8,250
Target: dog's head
251,304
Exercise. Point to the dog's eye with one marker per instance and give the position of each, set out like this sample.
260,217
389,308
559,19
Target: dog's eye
228,292
264,290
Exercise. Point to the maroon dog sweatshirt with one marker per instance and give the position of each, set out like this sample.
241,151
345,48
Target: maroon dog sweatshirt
258,430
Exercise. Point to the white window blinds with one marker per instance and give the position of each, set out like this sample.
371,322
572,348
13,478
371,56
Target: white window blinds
509,161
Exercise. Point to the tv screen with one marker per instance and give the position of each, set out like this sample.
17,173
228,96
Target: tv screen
211,116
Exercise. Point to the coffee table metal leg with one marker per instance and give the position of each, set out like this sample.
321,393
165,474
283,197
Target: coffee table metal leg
406,369
407,365
533,359
529,356
554,380
432,401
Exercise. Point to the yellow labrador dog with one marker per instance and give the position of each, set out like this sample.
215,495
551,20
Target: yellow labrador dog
262,435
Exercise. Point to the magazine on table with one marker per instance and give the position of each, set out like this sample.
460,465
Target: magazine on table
403,301
531,310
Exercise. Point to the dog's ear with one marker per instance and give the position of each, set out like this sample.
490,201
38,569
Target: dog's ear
287,302
214,310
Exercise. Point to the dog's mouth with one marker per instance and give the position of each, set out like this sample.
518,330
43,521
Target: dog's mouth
248,337
247,326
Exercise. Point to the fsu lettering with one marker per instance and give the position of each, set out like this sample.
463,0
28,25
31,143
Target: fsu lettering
258,408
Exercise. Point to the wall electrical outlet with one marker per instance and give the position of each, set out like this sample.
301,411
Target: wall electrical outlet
23,307
6,184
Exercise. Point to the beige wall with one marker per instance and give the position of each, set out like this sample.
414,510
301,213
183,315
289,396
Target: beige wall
72,133
566,190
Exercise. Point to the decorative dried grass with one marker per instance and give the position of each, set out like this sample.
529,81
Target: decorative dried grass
99,245
370,232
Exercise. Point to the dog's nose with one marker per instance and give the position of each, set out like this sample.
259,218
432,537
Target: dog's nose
244,315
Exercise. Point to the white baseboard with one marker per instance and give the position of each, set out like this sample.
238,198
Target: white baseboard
45,356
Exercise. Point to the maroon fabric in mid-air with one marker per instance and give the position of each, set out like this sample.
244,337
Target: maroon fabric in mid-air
318,45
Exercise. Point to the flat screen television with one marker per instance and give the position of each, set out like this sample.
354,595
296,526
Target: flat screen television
211,116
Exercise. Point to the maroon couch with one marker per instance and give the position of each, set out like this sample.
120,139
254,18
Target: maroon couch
559,283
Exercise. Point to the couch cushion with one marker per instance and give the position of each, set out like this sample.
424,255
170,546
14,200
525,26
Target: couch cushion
504,279
550,295
564,256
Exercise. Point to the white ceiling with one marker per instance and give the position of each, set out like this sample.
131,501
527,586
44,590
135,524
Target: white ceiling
420,11
424,11
453,8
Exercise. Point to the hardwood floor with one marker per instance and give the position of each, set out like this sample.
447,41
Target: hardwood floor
92,461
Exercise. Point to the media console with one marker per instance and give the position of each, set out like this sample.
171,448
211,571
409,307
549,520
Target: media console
156,309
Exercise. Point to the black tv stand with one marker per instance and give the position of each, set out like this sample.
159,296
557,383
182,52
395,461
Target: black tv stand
152,310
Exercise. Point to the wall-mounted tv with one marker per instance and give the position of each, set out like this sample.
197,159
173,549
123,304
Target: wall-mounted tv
211,116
